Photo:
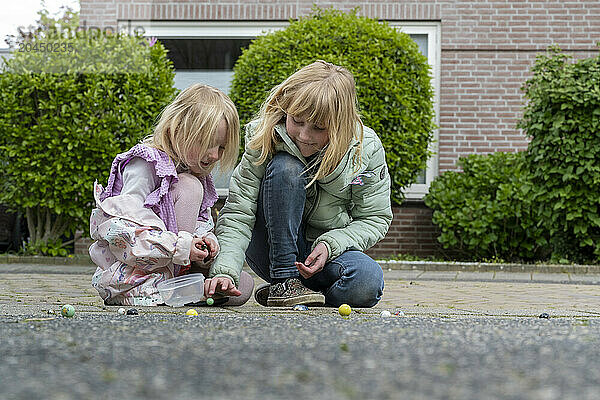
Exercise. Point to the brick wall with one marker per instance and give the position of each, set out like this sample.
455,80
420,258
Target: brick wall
108,12
82,245
411,232
99,13
487,50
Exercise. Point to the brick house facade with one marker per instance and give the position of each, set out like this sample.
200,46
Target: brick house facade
484,51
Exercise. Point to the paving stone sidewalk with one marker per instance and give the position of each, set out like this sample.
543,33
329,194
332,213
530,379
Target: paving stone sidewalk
29,289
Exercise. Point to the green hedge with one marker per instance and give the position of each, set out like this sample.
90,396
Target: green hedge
562,119
392,78
65,116
485,212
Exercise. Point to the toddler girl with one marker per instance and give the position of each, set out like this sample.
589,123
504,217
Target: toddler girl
153,219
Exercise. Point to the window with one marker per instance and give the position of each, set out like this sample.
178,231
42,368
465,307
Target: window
206,52
427,37
204,60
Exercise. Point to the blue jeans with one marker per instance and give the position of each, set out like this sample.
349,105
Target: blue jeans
278,240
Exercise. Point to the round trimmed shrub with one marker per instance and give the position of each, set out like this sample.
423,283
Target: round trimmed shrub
67,112
485,212
392,80
562,118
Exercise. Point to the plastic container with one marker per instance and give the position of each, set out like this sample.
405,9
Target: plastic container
178,291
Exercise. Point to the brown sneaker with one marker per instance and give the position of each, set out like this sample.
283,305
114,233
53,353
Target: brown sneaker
292,292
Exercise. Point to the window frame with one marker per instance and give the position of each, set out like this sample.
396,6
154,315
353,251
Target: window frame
203,29
252,29
417,191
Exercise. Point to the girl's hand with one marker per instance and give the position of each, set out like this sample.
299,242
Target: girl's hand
314,262
222,285
198,250
213,248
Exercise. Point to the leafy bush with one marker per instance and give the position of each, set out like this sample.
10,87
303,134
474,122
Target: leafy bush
485,212
392,79
65,115
562,118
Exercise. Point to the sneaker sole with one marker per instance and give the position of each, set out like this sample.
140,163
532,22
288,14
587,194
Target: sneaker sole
261,294
315,299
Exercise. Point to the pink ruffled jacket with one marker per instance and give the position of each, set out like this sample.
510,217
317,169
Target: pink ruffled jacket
137,243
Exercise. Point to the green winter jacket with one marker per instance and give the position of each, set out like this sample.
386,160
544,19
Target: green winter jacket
344,210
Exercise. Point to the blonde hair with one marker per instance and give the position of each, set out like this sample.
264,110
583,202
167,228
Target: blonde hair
322,93
188,125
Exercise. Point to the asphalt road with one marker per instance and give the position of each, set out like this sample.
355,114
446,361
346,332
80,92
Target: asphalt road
298,356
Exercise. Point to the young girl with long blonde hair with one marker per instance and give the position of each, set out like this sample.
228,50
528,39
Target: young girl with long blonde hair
153,219
310,195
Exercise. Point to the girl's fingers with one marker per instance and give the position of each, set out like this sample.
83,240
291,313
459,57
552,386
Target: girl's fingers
199,255
308,271
319,265
213,286
305,271
223,285
314,267
212,246
302,271
229,288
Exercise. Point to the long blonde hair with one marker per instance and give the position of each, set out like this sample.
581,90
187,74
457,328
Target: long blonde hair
325,95
188,126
